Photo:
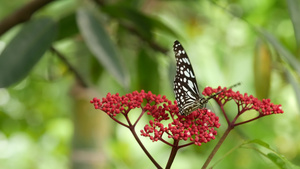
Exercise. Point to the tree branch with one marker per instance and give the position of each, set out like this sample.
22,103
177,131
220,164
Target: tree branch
22,15
151,43
71,68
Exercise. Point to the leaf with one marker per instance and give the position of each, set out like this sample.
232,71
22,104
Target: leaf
96,70
144,24
262,69
293,7
147,72
295,85
141,23
284,54
25,50
259,142
67,26
277,160
171,72
100,44
274,158
272,155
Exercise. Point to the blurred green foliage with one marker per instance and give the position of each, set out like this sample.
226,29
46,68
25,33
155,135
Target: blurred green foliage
46,120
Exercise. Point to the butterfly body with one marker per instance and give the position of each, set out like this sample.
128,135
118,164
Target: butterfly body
185,85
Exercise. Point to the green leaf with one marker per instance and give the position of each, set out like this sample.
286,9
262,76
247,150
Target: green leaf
67,26
259,142
277,160
295,84
144,24
293,6
96,70
132,17
25,50
271,154
284,53
171,72
99,42
262,69
148,74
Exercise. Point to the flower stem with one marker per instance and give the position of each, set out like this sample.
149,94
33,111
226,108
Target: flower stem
173,154
143,147
259,116
143,112
230,127
132,129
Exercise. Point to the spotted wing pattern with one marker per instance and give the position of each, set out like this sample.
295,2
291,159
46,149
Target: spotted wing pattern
185,84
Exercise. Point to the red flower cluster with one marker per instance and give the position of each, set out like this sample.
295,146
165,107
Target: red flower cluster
198,127
244,102
115,104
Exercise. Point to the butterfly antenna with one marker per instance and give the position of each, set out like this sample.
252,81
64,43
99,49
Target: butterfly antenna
239,83
212,96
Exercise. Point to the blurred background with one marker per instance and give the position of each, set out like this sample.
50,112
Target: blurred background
58,55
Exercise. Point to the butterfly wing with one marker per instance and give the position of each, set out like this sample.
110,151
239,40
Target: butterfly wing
185,84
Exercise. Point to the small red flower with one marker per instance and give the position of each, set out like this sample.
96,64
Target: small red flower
244,102
198,127
116,104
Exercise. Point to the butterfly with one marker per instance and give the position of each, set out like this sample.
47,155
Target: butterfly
185,85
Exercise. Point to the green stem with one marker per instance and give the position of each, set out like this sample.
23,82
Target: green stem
143,147
212,154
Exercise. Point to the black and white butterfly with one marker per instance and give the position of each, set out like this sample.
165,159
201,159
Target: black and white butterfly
185,85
